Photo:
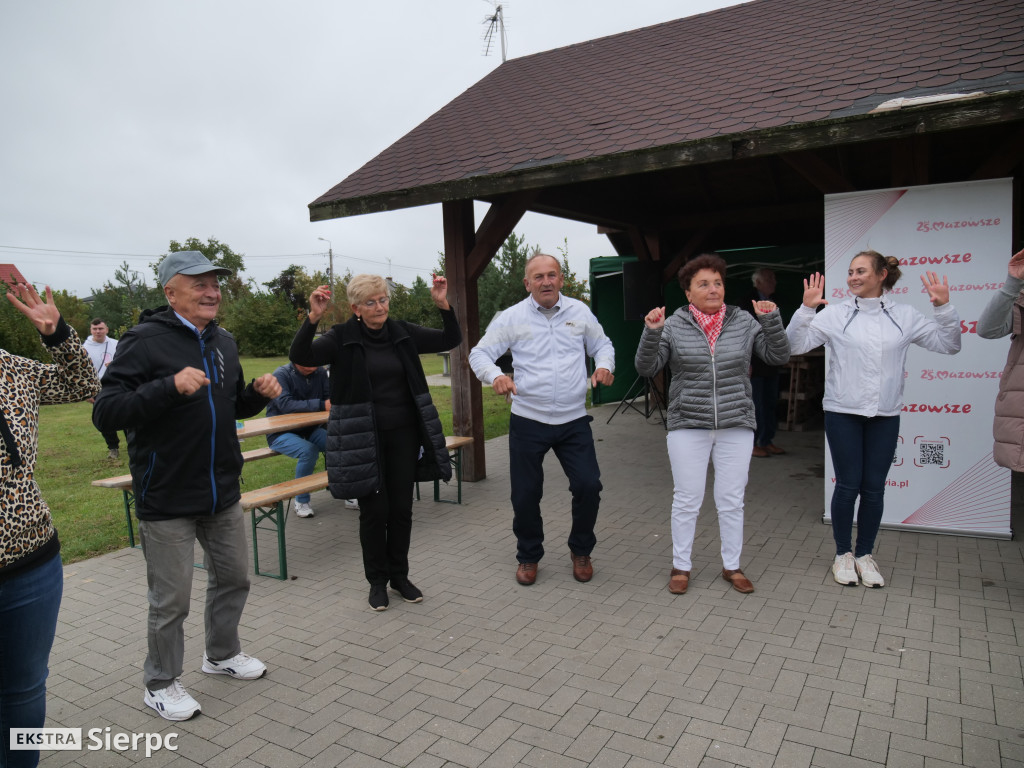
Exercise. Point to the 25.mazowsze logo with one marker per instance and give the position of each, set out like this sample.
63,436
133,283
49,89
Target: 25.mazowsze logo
938,226
937,408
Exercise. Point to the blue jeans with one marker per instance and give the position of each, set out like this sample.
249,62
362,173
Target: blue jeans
28,621
862,450
306,449
765,390
573,444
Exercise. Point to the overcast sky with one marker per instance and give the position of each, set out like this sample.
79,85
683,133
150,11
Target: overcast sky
130,123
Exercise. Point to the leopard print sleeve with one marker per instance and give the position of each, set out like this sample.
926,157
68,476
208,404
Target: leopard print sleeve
71,377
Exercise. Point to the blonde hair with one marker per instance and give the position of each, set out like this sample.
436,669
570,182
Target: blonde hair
362,287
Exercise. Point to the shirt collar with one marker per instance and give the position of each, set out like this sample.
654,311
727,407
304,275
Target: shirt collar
557,304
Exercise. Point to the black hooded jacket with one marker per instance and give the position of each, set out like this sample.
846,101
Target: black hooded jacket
183,450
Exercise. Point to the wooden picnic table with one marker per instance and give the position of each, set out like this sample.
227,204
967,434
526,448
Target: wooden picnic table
285,422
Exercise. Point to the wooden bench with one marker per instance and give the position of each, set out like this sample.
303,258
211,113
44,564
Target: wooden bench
124,484
454,444
270,507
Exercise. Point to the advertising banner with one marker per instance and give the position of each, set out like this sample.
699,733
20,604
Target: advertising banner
943,478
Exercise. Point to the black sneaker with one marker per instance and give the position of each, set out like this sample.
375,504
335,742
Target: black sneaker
407,590
379,597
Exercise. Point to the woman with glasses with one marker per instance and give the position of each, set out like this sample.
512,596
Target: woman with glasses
383,433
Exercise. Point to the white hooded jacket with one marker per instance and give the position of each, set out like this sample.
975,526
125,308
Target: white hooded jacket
867,341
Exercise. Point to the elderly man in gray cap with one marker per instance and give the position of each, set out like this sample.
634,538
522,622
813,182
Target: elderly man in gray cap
177,388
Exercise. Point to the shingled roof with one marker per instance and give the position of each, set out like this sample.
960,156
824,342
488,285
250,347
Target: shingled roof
753,67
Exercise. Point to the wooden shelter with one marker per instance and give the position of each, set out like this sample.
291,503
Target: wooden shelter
722,130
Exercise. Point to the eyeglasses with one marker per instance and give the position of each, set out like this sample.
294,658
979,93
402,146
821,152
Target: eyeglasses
372,303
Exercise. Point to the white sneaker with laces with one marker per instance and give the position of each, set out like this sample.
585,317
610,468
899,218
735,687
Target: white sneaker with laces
351,504
302,509
243,666
844,570
868,572
172,702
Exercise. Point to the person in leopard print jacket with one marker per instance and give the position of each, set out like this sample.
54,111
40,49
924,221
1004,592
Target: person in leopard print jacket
31,578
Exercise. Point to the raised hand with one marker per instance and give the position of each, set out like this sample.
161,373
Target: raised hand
319,300
1017,265
764,307
814,290
439,292
655,318
938,293
44,315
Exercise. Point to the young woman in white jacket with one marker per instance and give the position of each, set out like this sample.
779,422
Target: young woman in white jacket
867,339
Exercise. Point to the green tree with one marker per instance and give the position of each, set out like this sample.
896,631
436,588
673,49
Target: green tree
287,285
17,335
121,301
220,254
573,286
263,324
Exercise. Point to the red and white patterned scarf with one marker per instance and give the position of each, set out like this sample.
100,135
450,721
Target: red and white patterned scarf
710,324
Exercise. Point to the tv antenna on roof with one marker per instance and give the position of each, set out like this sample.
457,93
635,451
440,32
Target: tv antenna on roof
495,29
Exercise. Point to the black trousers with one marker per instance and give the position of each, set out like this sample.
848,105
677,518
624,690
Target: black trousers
385,517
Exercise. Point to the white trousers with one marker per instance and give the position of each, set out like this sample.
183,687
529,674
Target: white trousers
689,451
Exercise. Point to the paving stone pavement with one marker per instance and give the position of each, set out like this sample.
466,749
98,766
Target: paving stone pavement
618,672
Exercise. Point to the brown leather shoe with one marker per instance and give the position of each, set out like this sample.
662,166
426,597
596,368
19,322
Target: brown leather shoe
582,568
774,450
526,573
739,582
678,581
759,452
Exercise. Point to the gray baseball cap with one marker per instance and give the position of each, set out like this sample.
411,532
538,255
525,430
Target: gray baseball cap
187,263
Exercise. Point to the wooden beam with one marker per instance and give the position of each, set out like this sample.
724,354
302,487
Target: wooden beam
909,157
499,222
823,176
467,399
693,245
1003,159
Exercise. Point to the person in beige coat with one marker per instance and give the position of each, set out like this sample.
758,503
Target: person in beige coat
1005,315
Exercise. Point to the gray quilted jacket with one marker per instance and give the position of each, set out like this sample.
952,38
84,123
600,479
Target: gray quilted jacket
711,392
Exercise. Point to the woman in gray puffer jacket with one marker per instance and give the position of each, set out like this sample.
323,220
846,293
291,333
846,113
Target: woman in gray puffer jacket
707,347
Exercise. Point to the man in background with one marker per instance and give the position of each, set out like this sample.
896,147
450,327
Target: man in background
304,389
764,378
100,348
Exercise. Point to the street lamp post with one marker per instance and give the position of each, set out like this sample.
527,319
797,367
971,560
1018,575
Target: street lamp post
330,263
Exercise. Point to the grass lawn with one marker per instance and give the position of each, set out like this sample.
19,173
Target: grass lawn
90,521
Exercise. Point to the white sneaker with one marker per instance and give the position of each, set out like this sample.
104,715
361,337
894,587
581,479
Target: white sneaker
844,570
243,666
303,509
172,702
351,504
868,572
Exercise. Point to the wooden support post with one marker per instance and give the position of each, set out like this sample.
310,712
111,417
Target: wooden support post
467,400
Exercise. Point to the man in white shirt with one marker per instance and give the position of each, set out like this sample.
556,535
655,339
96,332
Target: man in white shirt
550,337
100,349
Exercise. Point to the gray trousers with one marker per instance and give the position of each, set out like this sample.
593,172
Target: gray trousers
169,547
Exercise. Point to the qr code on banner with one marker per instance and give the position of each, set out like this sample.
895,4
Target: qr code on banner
932,453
